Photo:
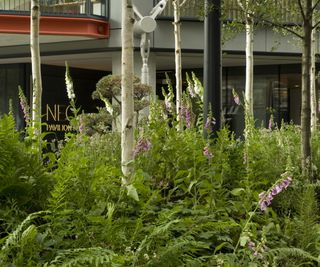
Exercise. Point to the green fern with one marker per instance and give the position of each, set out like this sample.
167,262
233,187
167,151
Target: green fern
303,229
282,256
14,238
20,246
7,135
94,256
178,252
307,223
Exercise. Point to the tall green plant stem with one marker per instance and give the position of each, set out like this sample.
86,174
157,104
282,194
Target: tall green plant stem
245,227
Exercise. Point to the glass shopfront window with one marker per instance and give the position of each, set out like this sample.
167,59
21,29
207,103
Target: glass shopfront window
233,79
290,97
276,91
11,77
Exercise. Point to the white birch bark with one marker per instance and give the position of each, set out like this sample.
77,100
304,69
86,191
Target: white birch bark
36,68
249,67
127,70
178,64
313,93
245,7
305,92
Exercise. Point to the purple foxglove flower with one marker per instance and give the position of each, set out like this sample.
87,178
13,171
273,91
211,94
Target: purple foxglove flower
286,182
237,100
270,123
276,189
188,117
251,245
207,124
191,91
269,199
210,123
262,195
24,106
265,199
185,113
81,128
207,153
236,97
263,205
143,145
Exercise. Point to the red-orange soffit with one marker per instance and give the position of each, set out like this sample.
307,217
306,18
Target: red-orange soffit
56,26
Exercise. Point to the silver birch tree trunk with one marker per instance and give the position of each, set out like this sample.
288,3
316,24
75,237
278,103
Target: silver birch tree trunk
313,92
127,73
246,6
36,69
249,67
305,91
178,65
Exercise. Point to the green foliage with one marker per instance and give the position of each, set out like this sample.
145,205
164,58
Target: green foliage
292,257
22,246
94,256
192,201
108,91
24,182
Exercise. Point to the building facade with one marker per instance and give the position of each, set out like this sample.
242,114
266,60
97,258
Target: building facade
87,34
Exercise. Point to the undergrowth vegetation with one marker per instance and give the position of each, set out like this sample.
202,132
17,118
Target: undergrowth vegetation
192,201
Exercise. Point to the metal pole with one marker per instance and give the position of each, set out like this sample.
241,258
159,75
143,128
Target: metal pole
145,51
212,62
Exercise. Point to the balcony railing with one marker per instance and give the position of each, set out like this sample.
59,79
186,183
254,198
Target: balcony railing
190,10
76,8
194,9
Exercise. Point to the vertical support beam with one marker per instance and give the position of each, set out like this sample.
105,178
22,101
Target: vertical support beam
212,61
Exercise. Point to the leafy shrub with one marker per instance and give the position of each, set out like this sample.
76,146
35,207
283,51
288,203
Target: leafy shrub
24,182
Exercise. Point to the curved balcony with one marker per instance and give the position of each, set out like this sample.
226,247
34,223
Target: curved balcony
73,8
58,17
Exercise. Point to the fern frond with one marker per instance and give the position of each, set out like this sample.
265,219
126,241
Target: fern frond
178,253
286,253
94,256
14,238
160,230
7,134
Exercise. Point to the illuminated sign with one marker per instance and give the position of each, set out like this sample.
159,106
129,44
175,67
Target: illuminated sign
57,118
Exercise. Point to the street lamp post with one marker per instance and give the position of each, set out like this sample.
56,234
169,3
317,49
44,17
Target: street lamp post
212,61
145,25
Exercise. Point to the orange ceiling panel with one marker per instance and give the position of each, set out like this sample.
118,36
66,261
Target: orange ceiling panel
72,26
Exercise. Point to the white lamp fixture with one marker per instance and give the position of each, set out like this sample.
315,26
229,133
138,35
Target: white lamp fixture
144,25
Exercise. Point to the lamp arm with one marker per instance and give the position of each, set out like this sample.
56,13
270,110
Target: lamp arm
158,8
136,12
